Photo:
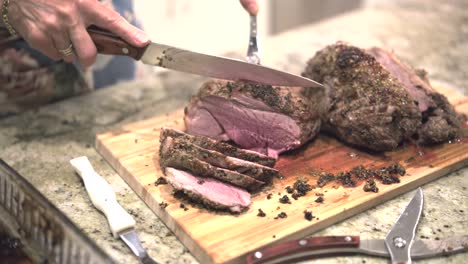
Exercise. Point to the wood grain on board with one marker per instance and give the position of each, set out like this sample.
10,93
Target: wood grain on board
224,238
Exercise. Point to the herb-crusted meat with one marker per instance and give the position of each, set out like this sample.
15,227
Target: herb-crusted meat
184,157
254,170
210,172
376,101
440,122
216,145
262,118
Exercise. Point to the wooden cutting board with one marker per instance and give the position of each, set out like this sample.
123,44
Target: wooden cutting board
224,238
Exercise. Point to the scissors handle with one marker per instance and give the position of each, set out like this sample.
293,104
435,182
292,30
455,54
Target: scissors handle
290,250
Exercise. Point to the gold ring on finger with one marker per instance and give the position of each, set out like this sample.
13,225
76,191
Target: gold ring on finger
66,52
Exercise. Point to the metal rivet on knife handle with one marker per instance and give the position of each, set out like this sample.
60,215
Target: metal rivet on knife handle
258,255
302,242
399,242
348,239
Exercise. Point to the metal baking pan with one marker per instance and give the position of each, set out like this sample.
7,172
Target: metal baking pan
42,228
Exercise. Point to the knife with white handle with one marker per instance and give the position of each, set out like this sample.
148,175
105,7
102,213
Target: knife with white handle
103,197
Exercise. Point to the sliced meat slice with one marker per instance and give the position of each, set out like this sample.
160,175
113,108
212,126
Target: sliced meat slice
254,170
210,192
181,159
224,148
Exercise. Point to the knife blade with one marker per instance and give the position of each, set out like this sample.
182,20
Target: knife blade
197,63
103,197
308,248
400,238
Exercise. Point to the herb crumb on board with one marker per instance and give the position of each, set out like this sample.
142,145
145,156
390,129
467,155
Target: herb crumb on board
319,199
261,213
308,215
370,186
345,179
284,200
386,175
183,206
325,178
281,215
160,181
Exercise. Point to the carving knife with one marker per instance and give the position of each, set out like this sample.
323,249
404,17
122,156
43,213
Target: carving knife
197,63
102,196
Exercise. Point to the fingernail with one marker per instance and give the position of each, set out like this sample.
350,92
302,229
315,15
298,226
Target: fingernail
143,38
253,8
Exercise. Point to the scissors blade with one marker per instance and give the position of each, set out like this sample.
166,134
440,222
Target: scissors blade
400,238
420,249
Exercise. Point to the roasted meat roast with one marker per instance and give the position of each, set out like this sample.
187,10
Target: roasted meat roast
376,101
262,118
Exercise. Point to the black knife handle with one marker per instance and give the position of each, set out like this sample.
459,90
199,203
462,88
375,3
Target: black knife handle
292,249
110,44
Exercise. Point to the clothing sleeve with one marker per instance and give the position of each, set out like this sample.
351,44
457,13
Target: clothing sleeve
28,79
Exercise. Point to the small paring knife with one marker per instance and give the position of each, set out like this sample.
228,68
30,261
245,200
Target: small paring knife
197,63
121,223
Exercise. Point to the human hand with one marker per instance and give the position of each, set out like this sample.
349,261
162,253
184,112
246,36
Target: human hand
53,25
251,6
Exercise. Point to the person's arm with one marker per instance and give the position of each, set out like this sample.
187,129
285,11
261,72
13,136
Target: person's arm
53,25
251,6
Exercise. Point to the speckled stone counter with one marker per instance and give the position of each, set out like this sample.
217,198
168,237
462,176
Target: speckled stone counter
39,144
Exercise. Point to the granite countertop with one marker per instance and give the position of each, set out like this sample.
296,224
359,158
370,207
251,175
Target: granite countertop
39,144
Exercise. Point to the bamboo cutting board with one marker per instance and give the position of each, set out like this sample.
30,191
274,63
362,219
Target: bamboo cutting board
224,238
